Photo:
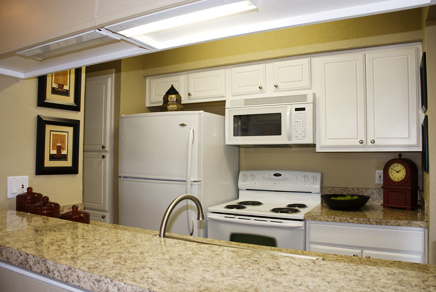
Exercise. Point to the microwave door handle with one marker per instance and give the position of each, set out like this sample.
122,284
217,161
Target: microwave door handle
288,124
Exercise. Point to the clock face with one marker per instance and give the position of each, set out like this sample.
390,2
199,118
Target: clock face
397,172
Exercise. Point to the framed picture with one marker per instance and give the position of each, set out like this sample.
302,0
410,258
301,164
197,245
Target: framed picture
60,90
425,158
57,146
423,75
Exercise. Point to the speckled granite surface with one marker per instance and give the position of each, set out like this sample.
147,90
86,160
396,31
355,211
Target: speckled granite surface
372,213
104,257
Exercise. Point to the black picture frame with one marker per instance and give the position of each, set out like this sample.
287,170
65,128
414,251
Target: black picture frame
423,78
62,157
425,157
65,99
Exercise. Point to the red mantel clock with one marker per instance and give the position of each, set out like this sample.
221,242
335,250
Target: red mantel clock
400,184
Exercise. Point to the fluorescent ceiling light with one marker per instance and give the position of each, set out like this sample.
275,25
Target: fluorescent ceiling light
190,18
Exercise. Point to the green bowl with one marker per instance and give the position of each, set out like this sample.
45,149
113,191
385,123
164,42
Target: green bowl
345,205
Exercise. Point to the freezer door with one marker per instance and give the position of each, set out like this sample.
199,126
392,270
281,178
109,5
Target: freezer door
155,145
142,203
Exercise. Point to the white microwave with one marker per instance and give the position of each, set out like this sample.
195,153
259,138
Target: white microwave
282,120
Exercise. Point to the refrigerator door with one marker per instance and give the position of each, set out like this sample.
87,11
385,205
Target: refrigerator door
143,203
155,145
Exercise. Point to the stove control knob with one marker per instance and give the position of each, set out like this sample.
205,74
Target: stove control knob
244,177
305,178
314,179
252,176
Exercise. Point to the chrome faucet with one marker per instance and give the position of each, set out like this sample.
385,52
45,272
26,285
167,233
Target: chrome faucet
200,214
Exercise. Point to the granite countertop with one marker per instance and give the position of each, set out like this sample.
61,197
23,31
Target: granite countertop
105,257
369,214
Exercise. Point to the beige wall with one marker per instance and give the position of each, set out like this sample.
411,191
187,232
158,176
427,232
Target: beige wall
18,110
340,170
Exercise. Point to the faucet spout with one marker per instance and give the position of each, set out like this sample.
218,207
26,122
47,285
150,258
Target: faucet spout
166,217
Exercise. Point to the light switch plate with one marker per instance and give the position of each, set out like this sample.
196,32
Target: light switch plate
17,185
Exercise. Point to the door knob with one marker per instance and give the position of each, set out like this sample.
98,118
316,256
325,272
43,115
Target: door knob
372,141
360,141
103,156
276,85
260,87
103,147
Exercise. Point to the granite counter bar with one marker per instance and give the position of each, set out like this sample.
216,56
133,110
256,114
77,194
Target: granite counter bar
369,214
104,257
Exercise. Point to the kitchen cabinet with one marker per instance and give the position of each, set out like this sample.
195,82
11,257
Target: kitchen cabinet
98,143
205,85
372,241
249,79
368,101
291,75
98,216
159,85
195,86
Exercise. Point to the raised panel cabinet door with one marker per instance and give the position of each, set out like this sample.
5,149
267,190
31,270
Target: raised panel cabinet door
392,98
342,107
98,216
98,102
291,75
248,79
158,86
95,190
207,84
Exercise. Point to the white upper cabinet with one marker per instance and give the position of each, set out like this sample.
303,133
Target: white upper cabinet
202,86
291,75
248,79
373,111
392,97
341,92
158,86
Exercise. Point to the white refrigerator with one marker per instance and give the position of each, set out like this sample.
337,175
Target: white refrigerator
167,154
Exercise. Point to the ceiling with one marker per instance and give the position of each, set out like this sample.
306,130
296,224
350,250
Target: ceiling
270,15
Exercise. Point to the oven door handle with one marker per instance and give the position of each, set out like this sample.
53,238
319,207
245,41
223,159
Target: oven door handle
259,222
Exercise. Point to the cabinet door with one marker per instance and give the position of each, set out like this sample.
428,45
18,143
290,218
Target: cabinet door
158,86
384,255
291,75
98,216
341,120
248,79
206,85
94,181
392,98
335,250
98,101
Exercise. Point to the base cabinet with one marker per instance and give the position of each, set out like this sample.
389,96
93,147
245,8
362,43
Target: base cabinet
98,216
407,244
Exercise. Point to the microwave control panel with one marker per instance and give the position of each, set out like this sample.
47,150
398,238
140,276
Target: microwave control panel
302,123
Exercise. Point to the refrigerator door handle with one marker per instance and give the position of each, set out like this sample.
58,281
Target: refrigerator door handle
188,178
188,161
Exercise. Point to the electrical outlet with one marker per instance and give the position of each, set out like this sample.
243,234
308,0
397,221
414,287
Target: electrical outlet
17,185
379,176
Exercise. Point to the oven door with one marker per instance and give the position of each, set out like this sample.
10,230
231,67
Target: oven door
270,125
261,231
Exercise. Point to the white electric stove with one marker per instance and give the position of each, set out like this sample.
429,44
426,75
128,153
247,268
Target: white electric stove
270,208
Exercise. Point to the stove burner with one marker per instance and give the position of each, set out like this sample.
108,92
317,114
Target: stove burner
297,206
250,203
235,206
285,210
